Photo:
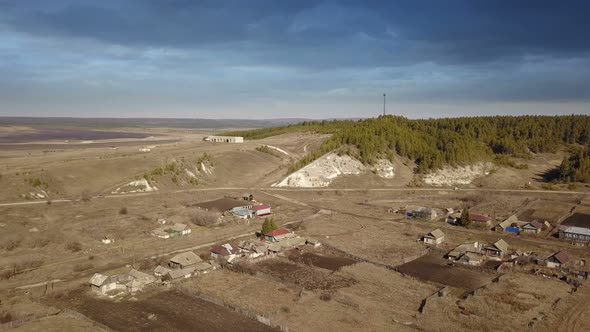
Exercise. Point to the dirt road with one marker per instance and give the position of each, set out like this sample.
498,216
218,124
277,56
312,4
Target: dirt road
271,189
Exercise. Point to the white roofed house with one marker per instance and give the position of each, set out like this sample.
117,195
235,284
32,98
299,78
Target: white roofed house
575,234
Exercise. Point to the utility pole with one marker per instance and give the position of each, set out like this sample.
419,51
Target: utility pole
383,104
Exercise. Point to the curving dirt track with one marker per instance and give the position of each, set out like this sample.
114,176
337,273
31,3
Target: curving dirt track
577,317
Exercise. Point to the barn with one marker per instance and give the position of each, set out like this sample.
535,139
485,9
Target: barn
224,139
261,210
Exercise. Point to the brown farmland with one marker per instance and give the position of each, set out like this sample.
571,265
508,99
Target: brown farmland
436,269
162,311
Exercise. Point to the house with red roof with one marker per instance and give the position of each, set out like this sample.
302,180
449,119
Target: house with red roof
278,235
225,252
479,219
558,260
261,210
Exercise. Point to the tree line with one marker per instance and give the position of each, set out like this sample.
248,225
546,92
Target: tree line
433,143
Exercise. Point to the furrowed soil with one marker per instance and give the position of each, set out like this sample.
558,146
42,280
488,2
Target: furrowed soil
329,262
435,269
172,310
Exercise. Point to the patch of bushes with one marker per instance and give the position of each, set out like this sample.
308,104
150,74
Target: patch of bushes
73,246
36,182
123,210
204,218
85,196
39,242
6,317
11,244
505,160
326,297
268,150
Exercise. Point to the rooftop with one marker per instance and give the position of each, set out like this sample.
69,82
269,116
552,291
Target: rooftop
186,258
437,233
479,217
577,230
562,256
277,232
222,204
260,207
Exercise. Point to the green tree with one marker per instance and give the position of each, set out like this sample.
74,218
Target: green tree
268,225
465,218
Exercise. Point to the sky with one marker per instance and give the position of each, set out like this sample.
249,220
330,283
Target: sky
293,59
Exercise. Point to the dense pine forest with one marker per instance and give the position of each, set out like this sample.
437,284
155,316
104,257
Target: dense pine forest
433,143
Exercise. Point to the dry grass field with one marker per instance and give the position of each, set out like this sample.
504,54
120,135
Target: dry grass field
57,238
374,298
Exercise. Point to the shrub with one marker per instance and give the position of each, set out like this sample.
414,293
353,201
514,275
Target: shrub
39,242
204,218
123,210
6,317
7,274
85,196
73,246
325,297
11,244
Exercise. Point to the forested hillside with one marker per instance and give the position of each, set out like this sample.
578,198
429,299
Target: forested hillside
433,143
576,167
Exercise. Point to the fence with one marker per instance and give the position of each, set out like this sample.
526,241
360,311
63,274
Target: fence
244,312
38,317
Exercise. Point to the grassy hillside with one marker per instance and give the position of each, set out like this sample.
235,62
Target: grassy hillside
433,143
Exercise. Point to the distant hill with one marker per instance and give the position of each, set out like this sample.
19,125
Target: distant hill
433,143
107,123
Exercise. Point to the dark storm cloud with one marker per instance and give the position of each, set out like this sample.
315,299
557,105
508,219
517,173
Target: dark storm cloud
475,50
370,32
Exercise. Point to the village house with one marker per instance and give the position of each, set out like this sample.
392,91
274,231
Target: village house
480,220
508,225
534,227
261,210
224,252
424,213
435,237
471,258
498,249
202,268
131,282
138,280
461,249
224,139
278,235
184,260
243,213
513,225
253,249
161,271
166,232
102,284
179,274
558,260
575,234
